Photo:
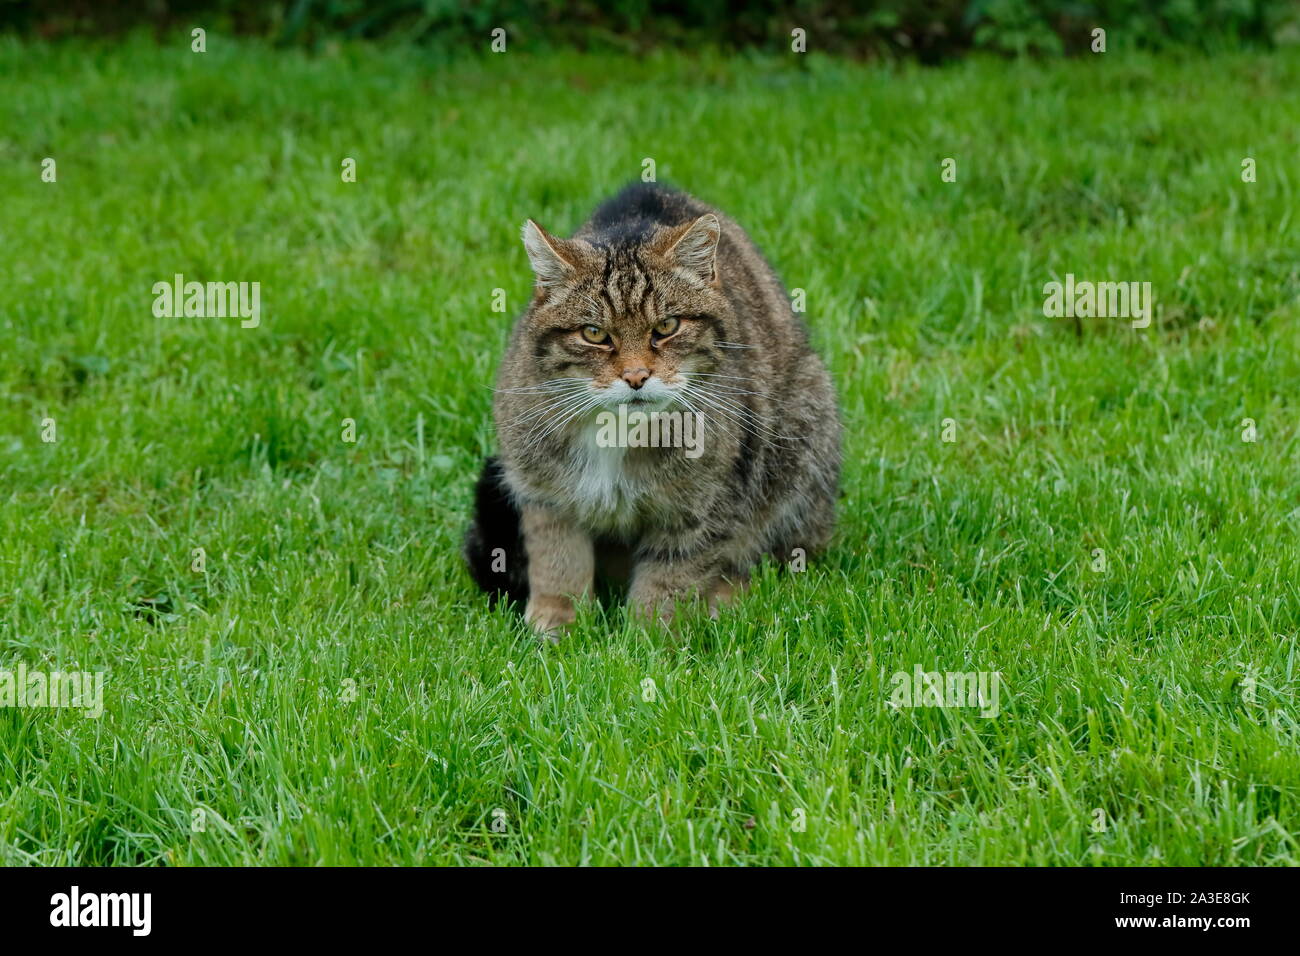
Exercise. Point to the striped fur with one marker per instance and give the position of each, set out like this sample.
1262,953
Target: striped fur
687,528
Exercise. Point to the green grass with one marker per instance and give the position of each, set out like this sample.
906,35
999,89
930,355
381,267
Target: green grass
1161,691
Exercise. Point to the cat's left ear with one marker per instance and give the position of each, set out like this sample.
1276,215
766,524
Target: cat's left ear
696,249
553,260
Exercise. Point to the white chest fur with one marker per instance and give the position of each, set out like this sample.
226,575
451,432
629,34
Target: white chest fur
602,489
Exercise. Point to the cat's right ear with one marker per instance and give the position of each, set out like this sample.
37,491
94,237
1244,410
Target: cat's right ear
548,256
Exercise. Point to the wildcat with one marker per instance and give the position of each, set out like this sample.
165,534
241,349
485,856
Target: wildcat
658,303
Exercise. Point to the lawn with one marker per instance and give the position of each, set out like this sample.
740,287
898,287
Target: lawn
329,688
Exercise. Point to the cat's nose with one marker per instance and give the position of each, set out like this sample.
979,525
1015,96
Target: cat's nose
636,376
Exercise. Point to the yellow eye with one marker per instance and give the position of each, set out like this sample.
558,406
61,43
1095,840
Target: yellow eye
595,335
667,326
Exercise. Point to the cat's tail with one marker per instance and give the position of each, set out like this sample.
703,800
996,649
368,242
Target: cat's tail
494,543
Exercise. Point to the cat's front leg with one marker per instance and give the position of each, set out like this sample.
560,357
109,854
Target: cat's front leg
726,588
659,585
561,565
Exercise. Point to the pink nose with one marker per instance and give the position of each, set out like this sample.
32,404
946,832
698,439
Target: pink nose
636,376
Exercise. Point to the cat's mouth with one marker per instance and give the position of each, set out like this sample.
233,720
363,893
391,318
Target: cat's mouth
647,403
654,396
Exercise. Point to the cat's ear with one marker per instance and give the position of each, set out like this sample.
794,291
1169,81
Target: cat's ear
553,260
696,249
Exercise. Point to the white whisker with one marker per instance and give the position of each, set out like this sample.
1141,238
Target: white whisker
740,416
554,384
591,401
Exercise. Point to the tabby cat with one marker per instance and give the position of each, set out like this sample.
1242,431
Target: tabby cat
658,304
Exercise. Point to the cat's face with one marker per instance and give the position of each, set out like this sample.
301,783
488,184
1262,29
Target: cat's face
628,324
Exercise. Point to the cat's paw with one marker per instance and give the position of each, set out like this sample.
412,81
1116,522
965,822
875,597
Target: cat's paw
549,615
724,592
665,614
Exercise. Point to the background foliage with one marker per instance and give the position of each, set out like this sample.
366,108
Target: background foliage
931,29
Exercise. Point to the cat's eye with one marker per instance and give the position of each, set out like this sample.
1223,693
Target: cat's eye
595,335
666,327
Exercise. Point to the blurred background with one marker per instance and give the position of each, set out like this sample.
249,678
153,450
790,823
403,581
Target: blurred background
931,30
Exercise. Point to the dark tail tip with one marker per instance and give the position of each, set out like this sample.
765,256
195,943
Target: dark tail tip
494,543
